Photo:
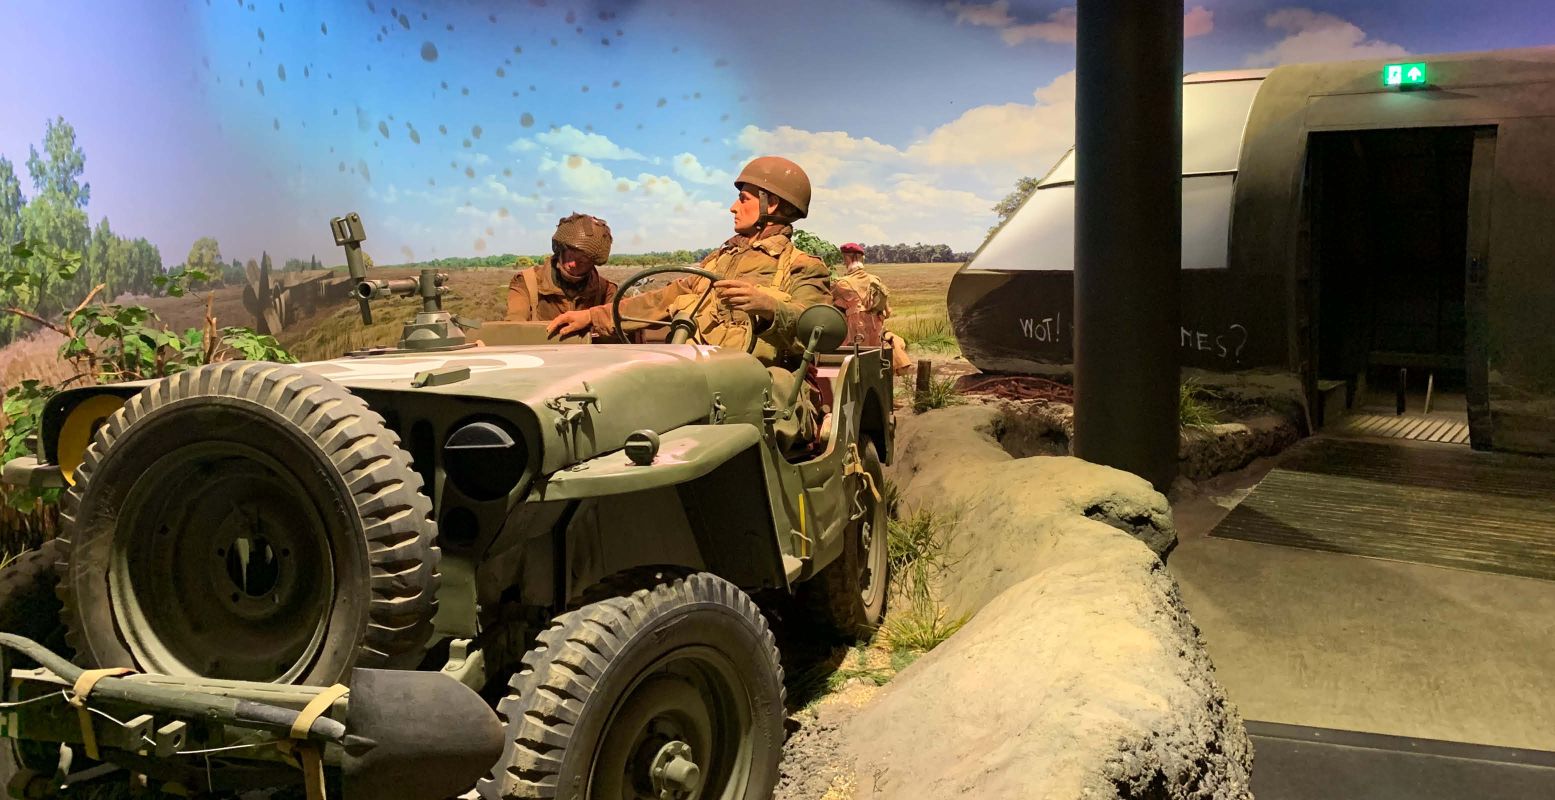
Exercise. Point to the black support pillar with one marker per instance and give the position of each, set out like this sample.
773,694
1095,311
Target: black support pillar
1128,234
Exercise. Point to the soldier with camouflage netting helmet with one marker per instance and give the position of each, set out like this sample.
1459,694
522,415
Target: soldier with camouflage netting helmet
569,278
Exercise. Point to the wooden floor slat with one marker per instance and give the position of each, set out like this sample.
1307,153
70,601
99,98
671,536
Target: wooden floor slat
1451,507
1417,427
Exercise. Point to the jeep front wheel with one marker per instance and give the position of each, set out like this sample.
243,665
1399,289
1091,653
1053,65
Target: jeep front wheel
250,521
674,692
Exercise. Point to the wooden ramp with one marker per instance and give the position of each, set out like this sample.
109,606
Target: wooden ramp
1406,501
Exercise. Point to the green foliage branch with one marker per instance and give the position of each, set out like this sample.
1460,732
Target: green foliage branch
108,342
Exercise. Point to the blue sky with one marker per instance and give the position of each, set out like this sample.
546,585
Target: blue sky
912,116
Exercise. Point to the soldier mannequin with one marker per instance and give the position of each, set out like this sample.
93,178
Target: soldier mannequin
569,279
764,275
866,302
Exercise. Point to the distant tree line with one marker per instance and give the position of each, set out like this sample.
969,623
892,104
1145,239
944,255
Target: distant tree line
516,261
915,253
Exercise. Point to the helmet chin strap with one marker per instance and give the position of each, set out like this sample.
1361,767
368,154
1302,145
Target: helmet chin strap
765,217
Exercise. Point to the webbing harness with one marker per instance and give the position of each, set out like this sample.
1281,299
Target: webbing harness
80,692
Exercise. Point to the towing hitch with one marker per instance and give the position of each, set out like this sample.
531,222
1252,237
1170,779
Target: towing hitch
393,735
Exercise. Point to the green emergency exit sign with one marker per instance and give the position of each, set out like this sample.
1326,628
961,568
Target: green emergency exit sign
1404,74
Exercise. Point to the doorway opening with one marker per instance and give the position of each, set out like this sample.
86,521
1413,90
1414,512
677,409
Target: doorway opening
1391,229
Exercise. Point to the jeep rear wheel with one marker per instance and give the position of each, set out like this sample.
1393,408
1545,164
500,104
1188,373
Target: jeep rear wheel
849,595
674,692
250,521
29,607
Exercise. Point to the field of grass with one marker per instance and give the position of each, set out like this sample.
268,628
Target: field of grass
919,314
917,299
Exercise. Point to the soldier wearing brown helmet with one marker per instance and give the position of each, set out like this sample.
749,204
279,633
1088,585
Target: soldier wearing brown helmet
762,275
569,278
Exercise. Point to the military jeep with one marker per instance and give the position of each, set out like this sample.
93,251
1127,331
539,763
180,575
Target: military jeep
532,566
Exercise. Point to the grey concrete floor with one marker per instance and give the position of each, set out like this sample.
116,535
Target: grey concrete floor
1352,643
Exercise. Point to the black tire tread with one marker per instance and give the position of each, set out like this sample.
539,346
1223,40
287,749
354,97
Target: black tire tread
28,604
386,490
561,671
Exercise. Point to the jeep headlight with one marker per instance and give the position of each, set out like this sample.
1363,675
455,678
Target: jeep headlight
485,459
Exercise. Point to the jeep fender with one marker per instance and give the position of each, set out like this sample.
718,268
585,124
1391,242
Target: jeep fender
701,504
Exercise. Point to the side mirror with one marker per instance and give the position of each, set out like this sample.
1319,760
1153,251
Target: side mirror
822,328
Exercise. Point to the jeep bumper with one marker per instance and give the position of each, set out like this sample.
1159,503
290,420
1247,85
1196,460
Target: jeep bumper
29,473
396,735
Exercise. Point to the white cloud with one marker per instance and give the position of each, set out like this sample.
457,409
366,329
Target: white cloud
1198,21
992,15
826,156
1017,137
1315,36
689,168
1059,27
571,141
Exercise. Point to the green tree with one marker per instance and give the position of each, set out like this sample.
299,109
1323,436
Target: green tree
205,256
11,203
100,268
818,247
1011,203
56,213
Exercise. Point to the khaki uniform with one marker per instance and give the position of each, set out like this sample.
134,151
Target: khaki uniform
776,267
866,302
535,295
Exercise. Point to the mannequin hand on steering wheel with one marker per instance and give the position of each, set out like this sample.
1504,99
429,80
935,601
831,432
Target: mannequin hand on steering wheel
740,297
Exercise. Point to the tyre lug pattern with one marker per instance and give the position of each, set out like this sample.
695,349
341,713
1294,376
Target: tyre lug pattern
375,474
560,673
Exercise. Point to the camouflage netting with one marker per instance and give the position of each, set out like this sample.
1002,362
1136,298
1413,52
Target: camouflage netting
582,232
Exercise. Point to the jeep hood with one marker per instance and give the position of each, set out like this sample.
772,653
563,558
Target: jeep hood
659,387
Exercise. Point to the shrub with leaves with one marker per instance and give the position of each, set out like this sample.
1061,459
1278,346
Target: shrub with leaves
109,342
23,405
818,247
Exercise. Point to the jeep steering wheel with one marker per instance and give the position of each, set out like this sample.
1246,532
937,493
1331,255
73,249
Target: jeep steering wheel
615,305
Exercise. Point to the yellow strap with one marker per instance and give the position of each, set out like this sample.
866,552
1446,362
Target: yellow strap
855,466
313,770
81,690
313,752
315,709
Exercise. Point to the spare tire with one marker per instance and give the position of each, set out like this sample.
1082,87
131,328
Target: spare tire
250,521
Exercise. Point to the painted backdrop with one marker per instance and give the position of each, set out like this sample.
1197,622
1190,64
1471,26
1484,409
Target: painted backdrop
467,128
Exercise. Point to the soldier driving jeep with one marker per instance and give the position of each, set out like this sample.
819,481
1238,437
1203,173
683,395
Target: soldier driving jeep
765,283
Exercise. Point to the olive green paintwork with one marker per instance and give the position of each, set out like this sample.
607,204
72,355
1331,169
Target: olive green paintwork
576,405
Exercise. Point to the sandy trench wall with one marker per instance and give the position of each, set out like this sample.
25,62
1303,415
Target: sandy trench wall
1082,674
